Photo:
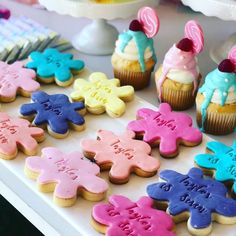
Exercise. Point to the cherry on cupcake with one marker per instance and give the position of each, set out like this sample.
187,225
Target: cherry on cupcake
135,25
185,44
226,66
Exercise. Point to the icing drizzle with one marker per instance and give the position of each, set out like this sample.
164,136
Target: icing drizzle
142,43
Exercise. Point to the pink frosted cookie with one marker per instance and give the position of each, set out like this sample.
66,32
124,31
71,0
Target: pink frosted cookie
17,134
121,154
67,175
166,129
14,79
122,217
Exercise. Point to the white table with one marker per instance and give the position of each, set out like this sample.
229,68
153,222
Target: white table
172,17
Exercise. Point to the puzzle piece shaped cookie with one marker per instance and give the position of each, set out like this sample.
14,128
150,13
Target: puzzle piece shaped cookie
66,175
14,79
123,217
55,111
100,94
121,154
17,134
221,163
166,129
192,197
53,65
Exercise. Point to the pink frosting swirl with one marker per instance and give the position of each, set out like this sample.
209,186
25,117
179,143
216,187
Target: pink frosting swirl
175,58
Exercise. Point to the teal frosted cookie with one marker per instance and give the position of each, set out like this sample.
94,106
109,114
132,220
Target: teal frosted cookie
221,162
52,65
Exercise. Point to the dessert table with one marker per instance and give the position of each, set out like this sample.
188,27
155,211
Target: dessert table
173,17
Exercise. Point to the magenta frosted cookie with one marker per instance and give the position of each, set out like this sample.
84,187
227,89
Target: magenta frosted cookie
165,128
67,175
190,197
122,217
14,80
121,154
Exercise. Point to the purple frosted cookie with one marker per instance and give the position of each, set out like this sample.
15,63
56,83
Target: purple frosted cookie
193,198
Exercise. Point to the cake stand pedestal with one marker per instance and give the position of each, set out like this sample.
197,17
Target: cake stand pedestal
223,9
97,38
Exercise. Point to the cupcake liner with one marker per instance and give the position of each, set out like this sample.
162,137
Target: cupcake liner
217,123
178,100
138,80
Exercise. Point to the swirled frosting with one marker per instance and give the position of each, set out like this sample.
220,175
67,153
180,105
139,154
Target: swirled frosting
135,45
220,88
180,66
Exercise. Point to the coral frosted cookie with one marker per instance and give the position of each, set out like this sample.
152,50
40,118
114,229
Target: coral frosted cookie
123,217
14,79
52,65
190,197
220,161
17,134
67,175
102,95
121,154
178,78
165,128
56,112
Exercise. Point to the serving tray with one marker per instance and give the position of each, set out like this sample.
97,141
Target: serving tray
76,220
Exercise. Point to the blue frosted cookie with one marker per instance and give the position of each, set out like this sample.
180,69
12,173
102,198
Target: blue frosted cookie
193,198
52,65
55,112
221,163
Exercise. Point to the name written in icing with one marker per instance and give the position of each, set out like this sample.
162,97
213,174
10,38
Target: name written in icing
118,149
164,123
6,126
62,166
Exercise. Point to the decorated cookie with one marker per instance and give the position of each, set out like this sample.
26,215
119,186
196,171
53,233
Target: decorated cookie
66,175
193,198
17,134
56,112
221,163
100,94
121,154
166,128
123,217
14,79
53,65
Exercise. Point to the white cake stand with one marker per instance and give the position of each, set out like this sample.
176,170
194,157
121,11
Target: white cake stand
223,9
98,38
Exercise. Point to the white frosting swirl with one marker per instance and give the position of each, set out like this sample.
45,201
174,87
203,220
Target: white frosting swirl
131,52
181,76
231,97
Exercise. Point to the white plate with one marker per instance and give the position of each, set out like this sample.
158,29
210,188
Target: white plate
223,9
76,220
84,8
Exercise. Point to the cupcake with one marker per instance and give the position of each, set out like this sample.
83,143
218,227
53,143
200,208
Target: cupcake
216,99
134,57
178,78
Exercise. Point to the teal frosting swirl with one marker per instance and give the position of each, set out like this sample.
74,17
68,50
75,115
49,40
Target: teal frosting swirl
142,42
216,80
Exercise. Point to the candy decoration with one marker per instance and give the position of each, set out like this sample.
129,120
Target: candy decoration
232,56
149,20
185,44
226,66
4,13
194,32
135,25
